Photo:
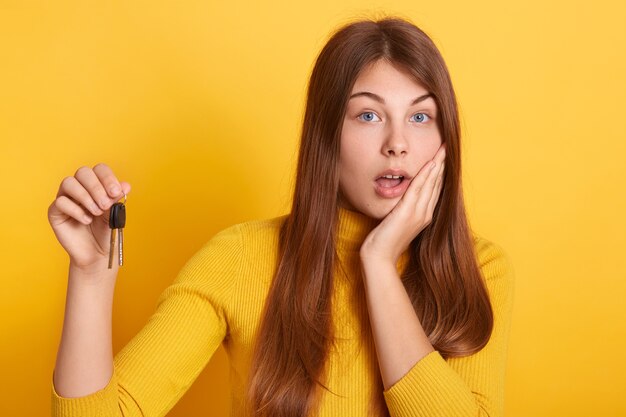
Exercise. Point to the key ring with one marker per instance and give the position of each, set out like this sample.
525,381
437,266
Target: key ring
124,198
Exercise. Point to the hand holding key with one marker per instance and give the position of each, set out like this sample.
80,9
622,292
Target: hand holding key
80,213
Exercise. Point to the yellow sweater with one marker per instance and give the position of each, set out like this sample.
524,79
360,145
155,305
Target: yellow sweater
218,297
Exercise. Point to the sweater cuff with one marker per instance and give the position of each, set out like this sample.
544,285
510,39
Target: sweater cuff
100,403
430,388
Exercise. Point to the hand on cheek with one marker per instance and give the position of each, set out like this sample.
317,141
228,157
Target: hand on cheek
409,217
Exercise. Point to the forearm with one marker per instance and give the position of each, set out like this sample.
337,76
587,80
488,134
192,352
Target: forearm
84,362
420,383
398,335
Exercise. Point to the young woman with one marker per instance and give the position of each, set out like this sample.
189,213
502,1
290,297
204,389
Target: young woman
371,297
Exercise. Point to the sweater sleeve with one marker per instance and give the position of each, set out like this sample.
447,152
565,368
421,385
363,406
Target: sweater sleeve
471,385
159,364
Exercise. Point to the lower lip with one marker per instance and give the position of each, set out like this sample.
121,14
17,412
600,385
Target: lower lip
392,192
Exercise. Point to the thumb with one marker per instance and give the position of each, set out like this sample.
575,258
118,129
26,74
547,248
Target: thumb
418,181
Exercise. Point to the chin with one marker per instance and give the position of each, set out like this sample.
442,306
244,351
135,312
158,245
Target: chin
376,209
380,210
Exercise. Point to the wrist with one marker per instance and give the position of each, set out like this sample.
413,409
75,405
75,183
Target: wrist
95,273
378,272
373,259
371,263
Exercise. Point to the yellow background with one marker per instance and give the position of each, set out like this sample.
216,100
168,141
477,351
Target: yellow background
198,105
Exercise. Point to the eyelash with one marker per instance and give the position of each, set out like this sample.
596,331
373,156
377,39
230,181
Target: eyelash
371,112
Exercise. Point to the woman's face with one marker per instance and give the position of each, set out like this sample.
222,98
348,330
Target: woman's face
390,124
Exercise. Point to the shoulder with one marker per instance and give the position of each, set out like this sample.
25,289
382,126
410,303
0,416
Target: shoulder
222,254
239,239
493,259
497,269
261,227
244,233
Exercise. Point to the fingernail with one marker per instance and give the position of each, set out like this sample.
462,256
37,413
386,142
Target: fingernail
86,219
114,189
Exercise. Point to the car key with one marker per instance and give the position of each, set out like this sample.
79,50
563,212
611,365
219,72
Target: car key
117,221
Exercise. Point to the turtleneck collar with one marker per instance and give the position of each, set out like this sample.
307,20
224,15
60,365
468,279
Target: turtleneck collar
352,228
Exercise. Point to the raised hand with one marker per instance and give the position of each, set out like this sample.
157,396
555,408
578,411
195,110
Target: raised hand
79,215
409,217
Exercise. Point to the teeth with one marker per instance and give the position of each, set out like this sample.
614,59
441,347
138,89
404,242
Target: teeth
392,176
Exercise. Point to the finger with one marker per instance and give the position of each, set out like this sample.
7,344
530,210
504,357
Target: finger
71,187
441,155
422,176
109,180
63,207
425,194
428,188
125,187
436,191
88,178
418,181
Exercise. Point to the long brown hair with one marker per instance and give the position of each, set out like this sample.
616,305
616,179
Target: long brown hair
442,276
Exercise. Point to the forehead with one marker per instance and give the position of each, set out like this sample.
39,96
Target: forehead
381,75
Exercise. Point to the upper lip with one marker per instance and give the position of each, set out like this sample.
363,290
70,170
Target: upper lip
393,172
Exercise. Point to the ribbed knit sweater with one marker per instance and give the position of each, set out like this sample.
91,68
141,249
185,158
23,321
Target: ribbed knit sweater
218,298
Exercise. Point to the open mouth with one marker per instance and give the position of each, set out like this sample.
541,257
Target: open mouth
391,186
390,181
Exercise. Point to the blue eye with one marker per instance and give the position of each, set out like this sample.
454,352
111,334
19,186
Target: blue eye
422,119
368,116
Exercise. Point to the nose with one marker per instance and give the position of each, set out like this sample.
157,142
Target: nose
395,143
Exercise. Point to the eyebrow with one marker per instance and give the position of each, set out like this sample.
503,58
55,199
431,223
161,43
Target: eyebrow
382,100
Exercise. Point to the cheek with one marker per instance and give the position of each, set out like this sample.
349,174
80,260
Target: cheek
353,155
355,138
433,147
429,145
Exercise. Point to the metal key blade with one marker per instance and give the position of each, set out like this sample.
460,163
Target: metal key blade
120,232
111,248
